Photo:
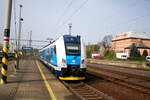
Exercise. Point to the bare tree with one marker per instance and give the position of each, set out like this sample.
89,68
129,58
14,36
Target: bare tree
107,41
105,44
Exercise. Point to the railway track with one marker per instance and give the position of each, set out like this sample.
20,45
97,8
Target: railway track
119,87
119,66
138,83
85,92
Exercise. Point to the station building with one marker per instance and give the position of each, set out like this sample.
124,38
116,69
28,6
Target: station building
123,41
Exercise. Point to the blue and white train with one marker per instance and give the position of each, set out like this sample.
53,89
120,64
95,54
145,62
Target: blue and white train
66,57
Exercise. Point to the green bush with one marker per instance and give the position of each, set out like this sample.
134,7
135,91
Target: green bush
134,52
90,49
145,53
88,53
111,55
137,58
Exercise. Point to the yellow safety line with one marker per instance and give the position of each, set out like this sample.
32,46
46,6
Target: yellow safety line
46,83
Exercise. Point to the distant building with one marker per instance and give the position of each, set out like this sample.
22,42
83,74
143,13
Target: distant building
94,54
122,42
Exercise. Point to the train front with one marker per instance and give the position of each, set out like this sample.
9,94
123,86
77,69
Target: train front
75,59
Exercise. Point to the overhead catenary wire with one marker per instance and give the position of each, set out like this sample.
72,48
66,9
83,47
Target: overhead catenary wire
65,11
131,20
77,10
107,18
30,40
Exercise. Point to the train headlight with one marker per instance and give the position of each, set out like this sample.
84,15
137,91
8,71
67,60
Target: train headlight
83,70
82,61
63,61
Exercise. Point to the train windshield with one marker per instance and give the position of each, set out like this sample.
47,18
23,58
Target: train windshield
73,49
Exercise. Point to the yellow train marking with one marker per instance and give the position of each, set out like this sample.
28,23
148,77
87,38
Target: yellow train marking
46,83
72,78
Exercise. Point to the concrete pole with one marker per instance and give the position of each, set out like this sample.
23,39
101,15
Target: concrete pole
6,42
15,63
19,36
19,32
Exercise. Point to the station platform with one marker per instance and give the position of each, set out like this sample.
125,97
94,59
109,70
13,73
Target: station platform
33,81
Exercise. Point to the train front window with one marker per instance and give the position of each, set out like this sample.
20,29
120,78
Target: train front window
73,49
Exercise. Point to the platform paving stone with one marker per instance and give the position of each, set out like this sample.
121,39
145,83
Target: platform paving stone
27,83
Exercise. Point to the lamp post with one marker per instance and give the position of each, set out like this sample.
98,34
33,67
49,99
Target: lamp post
19,36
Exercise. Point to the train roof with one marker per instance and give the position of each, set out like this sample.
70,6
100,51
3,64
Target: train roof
65,38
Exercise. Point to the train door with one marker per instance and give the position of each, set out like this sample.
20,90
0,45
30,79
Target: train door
54,57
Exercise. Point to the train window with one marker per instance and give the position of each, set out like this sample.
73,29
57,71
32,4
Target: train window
73,49
51,53
55,49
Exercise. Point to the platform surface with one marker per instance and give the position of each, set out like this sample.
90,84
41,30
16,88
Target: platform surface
33,81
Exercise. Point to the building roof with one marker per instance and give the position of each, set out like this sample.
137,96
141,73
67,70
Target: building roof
140,44
131,34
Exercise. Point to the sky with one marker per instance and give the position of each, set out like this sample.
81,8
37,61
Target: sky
92,19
